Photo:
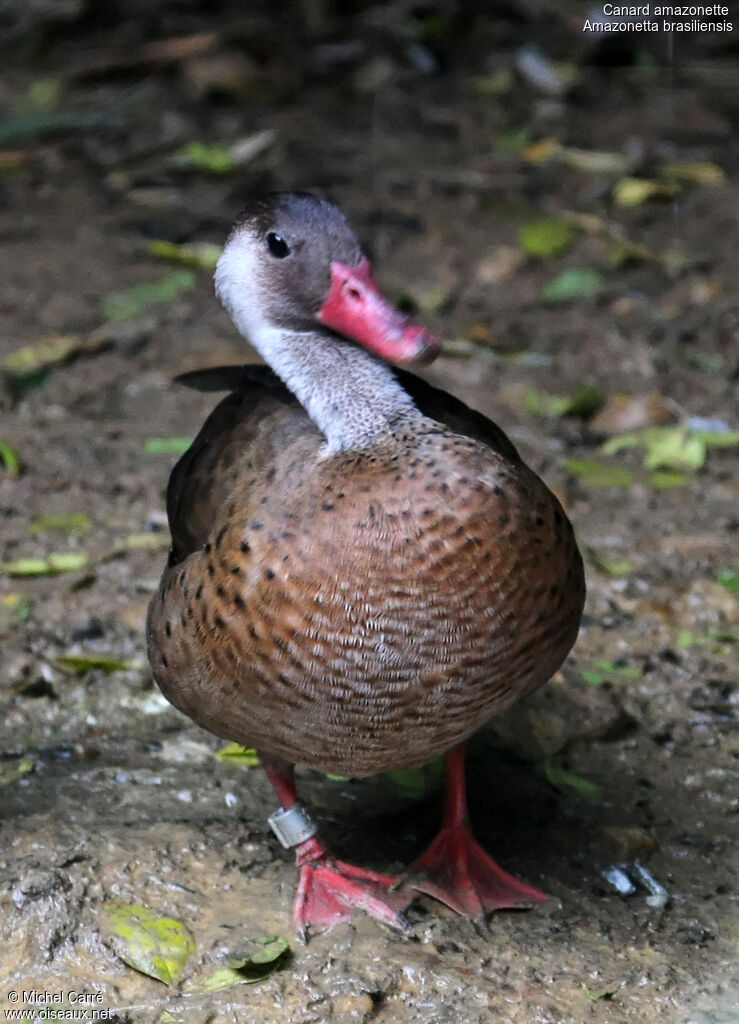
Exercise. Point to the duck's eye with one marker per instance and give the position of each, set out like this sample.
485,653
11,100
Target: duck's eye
278,246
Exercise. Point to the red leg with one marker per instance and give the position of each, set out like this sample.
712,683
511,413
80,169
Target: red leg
456,870
329,890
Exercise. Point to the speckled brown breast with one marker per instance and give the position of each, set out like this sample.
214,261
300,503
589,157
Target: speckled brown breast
357,613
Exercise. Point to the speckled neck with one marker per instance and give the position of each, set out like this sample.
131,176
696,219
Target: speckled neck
351,396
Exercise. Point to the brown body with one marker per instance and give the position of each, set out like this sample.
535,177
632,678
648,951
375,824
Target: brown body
361,611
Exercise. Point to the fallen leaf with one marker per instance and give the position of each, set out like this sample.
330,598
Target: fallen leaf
611,672
216,159
597,996
635,191
629,412
677,447
729,578
673,448
131,303
167,445
19,604
262,950
616,567
497,83
52,565
152,541
593,161
199,255
156,946
541,151
575,283
32,127
234,753
250,965
560,777
74,524
42,95
627,254
717,438
10,773
545,238
592,473
414,783
50,352
697,173
586,400
80,664
10,459
664,480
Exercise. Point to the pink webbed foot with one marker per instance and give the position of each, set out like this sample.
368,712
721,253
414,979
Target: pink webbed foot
330,891
457,871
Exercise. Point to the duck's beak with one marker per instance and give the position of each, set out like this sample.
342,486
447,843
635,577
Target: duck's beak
356,308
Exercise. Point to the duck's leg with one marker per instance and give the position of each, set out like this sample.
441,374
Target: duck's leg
455,869
329,890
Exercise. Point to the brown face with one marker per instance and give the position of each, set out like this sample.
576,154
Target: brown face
311,268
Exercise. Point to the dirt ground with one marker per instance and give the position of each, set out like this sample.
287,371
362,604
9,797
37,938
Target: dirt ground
424,128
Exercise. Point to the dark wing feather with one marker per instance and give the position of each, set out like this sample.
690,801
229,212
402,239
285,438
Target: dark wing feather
433,402
200,481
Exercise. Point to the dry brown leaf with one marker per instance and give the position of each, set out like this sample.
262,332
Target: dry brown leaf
630,412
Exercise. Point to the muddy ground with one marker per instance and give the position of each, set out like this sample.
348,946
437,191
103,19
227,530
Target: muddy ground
419,125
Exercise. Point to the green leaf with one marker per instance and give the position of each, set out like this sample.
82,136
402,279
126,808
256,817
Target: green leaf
220,980
156,946
628,254
252,964
729,578
167,445
199,255
717,438
635,191
593,161
696,173
9,458
234,753
616,567
584,403
83,663
10,773
63,561
663,480
575,283
512,143
215,159
610,672
265,949
673,448
414,783
131,303
546,238
32,361
19,605
597,996
592,473
561,777
75,524
67,561
497,83
621,442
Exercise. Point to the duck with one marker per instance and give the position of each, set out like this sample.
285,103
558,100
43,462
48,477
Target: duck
363,571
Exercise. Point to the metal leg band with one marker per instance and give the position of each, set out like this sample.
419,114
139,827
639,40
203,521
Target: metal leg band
293,826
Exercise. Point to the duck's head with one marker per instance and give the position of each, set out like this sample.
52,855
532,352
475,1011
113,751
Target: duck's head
292,263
